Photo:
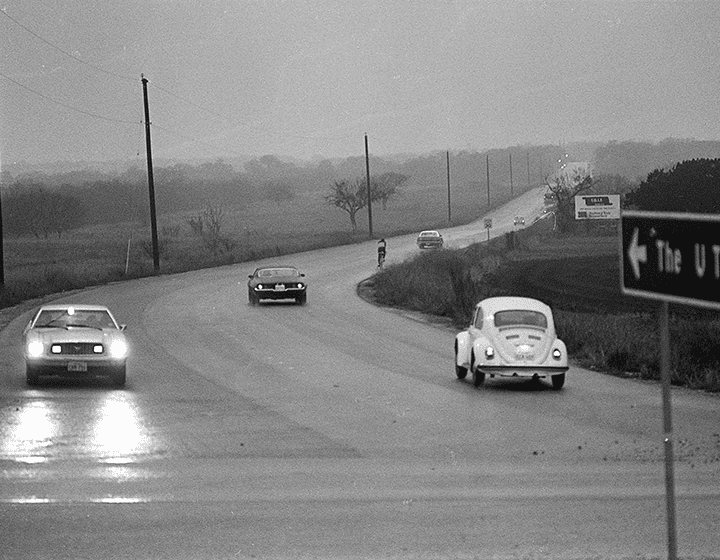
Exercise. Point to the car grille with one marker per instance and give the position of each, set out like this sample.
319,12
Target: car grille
77,348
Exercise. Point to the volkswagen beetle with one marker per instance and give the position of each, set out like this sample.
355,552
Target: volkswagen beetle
511,337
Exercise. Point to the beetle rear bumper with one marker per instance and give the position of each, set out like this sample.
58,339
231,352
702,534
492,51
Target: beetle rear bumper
522,371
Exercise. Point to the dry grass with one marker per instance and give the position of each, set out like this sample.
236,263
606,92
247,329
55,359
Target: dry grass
99,254
579,277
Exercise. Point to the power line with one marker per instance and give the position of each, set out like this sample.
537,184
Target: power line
99,69
110,119
204,109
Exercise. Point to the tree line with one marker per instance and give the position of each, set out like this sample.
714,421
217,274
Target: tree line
44,205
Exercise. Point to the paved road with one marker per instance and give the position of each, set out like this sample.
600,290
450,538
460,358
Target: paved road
335,430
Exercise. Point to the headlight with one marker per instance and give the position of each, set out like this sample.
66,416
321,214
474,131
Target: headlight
557,354
259,287
300,285
35,349
118,349
489,353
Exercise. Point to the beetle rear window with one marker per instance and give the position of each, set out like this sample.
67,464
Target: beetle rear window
516,317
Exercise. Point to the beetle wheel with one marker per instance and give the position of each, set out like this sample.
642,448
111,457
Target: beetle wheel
478,376
558,381
460,371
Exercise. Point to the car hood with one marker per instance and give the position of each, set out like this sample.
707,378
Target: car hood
524,344
74,334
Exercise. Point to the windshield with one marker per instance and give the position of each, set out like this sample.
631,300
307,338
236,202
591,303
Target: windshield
97,319
520,317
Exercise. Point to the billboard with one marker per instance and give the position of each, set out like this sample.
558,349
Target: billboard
597,207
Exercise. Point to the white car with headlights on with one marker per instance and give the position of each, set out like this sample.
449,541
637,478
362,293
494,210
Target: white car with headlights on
75,341
511,337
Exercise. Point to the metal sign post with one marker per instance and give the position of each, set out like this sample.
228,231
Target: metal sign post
670,257
667,430
488,226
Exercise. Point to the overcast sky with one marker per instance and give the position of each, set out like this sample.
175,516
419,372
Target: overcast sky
310,78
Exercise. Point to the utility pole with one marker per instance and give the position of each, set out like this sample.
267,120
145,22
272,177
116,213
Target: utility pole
528,168
2,241
367,173
151,184
448,185
487,172
511,182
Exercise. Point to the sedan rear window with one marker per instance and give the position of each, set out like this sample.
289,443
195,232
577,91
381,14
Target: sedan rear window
520,317
277,272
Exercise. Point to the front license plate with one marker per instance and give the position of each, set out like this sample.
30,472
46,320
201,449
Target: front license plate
280,288
77,366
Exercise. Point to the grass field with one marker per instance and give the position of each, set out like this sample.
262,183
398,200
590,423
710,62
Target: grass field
109,252
579,277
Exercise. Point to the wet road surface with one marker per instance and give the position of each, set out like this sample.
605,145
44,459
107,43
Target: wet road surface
334,430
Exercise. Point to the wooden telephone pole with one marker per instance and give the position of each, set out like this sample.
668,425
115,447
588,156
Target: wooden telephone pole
369,197
151,184
2,242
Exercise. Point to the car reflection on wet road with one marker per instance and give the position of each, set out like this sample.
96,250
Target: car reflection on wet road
60,444
104,425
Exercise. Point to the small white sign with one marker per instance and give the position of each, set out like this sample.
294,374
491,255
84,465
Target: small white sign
597,207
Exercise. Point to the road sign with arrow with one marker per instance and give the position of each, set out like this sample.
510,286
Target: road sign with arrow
671,257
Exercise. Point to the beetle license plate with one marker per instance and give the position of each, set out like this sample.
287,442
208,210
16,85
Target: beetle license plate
77,366
279,287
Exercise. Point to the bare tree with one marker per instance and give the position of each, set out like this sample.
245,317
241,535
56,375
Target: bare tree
564,189
350,197
212,219
196,224
386,186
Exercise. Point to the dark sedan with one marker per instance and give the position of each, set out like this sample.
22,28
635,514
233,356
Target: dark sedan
277,282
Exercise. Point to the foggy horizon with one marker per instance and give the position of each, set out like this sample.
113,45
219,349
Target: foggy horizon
307,80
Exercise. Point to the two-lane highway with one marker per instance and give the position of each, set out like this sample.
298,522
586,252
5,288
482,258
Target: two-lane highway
335,430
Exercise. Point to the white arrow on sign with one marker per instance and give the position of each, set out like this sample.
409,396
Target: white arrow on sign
636,254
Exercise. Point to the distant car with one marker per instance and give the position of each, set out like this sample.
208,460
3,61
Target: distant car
519,221
430,239
77,341
277,282
511,337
